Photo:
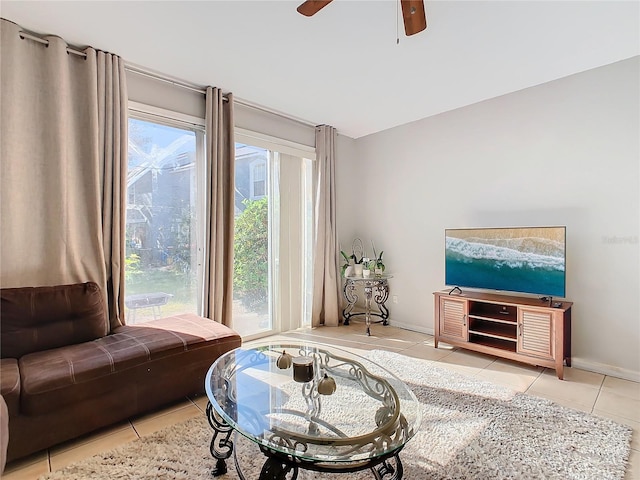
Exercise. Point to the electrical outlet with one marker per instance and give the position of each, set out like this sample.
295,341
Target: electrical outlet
395,299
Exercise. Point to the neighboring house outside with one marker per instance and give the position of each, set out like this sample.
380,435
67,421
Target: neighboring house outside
251,175
161,197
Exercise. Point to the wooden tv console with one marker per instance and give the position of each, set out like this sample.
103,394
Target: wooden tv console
527,330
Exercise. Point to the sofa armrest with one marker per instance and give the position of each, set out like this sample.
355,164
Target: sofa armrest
4,433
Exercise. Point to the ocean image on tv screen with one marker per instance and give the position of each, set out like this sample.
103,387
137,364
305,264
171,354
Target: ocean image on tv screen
527,260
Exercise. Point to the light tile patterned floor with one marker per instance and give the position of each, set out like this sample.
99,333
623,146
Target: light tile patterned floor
591,392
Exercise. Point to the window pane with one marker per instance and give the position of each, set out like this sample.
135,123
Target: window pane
272,243
259,179
161,263
307,235
251,285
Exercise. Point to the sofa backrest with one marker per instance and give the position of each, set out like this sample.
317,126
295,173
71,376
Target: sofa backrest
40,318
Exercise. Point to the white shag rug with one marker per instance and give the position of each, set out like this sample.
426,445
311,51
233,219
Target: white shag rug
470,429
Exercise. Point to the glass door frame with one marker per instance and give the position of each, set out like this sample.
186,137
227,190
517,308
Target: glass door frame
280,280
144,112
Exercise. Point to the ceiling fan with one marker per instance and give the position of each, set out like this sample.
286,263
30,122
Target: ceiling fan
412,13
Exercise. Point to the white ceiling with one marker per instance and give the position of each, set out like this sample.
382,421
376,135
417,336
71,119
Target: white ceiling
342,66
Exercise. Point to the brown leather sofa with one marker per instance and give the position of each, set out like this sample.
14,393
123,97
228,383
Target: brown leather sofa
4,433
63,374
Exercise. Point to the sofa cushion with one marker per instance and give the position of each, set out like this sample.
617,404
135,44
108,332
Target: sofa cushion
41,318
10,381
62,376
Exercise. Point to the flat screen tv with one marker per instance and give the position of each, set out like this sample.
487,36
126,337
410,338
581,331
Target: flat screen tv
523,259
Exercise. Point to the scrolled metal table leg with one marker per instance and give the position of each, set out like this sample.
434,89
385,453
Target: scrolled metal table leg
382,295
274,469
351,297
368,291
388,468
221,446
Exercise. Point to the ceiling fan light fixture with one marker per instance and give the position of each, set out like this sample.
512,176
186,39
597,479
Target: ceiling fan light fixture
412,13
311,7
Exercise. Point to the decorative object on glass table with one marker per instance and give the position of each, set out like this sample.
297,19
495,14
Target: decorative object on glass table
303,369
357,250
354,263
327,385
358,268
366,270
358,264
284,360
346,269
378,266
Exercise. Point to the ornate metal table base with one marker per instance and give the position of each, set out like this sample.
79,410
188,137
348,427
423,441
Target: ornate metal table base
380,286
387,468
279,466
221,446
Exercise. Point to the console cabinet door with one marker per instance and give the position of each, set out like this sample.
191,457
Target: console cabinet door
453,318
535,332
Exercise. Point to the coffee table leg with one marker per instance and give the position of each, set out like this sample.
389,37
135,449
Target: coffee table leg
221,446
387,468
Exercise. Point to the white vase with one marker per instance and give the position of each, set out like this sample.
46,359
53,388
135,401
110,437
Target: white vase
366,273
358,269
349,271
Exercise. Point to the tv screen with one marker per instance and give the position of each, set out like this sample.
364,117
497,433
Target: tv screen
527,260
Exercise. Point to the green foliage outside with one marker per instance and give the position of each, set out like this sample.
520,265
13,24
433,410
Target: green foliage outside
251,255
132,267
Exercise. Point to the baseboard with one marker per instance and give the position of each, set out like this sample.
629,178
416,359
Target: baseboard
604,369
412,326
576,362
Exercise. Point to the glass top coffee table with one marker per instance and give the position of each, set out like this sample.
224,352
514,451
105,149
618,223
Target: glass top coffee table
309,406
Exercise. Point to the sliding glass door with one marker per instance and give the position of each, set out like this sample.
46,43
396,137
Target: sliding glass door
272,248
164,231
162,274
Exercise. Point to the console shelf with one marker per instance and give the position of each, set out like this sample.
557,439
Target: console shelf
518,328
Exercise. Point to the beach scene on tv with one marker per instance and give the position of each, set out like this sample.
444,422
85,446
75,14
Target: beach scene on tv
527,260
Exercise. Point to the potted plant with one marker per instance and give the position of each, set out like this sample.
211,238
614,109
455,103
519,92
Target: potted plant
371,267
356,248
347,268
366,267
379,266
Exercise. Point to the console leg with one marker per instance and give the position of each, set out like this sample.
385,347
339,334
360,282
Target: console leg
351,297
368,291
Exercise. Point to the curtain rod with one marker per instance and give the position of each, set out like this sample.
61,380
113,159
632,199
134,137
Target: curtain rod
44,41
156,76
138,70
163,78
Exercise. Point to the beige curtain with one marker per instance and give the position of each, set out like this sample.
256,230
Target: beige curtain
220,178
63,119
326,282
113,128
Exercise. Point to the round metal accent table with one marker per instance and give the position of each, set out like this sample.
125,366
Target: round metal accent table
362,424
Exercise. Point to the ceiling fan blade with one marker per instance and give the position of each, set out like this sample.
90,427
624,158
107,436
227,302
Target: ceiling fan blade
311,7
413,15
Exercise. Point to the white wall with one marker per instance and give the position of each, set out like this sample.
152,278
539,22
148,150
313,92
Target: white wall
562,153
